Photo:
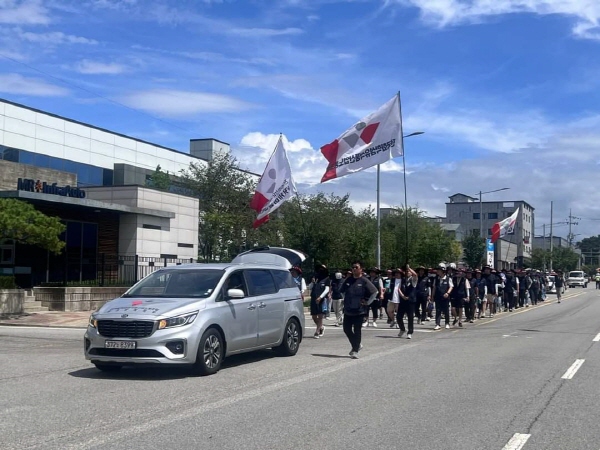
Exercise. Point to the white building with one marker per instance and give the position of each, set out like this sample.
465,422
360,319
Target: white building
96,181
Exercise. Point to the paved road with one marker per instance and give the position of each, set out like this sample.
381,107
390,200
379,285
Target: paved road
497,384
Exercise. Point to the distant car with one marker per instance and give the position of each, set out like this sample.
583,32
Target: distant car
551,286
198,314
577,278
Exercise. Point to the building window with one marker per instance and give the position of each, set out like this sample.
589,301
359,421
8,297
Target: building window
180,245
151,227
475,231
492,215
489,231
476,216
7,252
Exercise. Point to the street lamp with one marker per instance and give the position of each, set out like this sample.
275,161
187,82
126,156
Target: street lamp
416,133
481,208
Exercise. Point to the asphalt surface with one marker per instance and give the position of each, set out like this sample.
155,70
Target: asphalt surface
495,384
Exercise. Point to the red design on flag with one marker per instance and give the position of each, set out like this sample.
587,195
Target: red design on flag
274,187
374,140
504,227
136,303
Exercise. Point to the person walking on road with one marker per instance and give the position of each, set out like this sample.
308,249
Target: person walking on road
460,294
559,283
359,293
408,300
337,297
377,281
397,293
319,290
423,294
442,288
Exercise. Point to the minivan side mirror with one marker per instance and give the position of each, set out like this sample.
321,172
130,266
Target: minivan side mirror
235,293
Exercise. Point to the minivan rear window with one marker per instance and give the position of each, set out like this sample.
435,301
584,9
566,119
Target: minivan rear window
283,279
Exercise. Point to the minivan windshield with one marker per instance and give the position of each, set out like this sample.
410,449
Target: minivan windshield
576,274
177,283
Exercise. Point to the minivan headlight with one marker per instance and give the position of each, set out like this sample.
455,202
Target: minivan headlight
177,321
93,322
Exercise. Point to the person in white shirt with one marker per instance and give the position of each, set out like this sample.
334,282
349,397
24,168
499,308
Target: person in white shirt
397,294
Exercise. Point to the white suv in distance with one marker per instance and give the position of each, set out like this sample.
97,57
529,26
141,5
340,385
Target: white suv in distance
577,278
197,314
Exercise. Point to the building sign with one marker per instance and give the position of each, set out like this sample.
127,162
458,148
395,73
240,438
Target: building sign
489,253
30,185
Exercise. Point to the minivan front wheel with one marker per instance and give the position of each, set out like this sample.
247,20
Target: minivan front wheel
210,353
291,339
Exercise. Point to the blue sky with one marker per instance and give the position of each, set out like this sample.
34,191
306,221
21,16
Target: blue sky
506,91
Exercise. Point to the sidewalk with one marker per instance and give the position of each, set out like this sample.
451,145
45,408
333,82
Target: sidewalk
59,319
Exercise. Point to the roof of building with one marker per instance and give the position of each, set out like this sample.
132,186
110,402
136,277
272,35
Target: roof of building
450,226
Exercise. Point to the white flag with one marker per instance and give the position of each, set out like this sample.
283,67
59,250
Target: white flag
373,140
275,186
505,226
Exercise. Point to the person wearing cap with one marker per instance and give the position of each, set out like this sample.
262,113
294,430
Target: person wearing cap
490,284
423,294
534,291
375,278
459,296
337,298
481,289
442,288
511,288
358,293
319,290
472,299
397,293
297,276
408,299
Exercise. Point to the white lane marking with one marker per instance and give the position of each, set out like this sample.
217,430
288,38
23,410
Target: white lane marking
105,434
517,442
597,338
573,369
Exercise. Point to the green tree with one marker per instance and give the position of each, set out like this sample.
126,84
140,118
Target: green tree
160,180
564,258
540,258
21,222
590,249
225,218
428,243
474,247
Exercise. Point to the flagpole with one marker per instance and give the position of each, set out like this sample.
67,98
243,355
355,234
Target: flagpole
404,176
378,255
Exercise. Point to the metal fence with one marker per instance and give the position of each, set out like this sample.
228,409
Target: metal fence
126,270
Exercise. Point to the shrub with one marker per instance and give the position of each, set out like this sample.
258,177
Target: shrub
7,282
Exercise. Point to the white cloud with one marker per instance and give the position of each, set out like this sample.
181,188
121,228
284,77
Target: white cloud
174,103
263,32
13,83
53,38
538,175
89,67
442,13
26,12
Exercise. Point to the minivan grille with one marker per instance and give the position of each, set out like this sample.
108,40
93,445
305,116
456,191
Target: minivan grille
125,328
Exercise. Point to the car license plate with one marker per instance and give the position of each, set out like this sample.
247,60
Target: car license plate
120,345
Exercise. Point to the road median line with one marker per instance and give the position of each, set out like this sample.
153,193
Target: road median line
517,442
570,373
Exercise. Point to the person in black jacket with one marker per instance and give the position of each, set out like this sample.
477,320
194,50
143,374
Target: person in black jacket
358,293
408,300
423,294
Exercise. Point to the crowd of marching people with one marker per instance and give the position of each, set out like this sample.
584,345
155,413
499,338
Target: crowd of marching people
359,298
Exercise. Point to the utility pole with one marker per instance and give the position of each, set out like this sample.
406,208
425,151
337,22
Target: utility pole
571,223
551,236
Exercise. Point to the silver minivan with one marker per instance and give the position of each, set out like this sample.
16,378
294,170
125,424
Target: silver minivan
198,314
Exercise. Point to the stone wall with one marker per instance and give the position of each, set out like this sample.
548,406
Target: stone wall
76,298
11,301
10,172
